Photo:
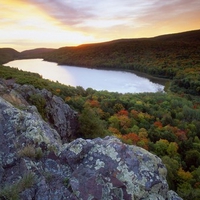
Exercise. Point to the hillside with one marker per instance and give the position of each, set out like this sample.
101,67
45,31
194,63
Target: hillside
8,54
189,36
156,55
35,53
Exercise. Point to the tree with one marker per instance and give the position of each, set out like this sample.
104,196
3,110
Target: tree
172,149
117,107
91,125
185,191
192,158
93,103
131,137
158,124
167,119
172,166
114,121
161,146
143,133
143,143
184,175
125,122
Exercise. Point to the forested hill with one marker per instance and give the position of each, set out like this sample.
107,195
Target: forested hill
35,53
8,54
189,36
160,56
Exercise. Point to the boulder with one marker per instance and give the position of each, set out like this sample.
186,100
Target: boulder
108,169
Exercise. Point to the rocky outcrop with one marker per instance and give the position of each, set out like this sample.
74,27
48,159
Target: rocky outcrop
108,169
36,164
58,114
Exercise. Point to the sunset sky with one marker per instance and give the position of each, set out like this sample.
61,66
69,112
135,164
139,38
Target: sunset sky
28,24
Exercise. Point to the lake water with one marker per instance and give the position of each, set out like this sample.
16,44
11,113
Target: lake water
113,81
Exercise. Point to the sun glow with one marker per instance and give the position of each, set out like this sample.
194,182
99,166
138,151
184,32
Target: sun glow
33,27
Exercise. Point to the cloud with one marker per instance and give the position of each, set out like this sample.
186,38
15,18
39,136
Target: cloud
168,10
90,14
68,12
84,21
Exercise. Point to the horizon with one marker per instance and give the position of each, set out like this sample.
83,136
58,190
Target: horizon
36,24
102,41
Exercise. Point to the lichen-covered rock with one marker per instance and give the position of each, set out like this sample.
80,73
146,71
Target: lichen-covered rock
56,112
36,164
59,115
108,169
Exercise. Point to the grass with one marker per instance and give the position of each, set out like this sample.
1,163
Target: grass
31,152
12,192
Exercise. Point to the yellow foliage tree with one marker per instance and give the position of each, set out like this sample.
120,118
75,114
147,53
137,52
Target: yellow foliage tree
183,175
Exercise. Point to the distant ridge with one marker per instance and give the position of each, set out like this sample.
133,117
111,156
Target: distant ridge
159,56
193,35
38,52
188,36
8,54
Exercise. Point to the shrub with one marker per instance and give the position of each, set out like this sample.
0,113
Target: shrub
31,152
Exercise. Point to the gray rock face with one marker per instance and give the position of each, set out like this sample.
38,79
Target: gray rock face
63,118
58,114
110,169
36,164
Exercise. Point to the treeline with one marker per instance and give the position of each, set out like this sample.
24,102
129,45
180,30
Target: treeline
163,123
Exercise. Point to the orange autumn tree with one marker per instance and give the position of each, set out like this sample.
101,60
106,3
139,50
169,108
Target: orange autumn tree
123,112
130,138
158,124
125,122
143,138
134,114
93,103
115,132
121,121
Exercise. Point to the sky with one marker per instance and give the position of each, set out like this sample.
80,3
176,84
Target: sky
29,24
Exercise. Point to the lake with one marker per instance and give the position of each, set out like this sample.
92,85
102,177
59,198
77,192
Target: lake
98,79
